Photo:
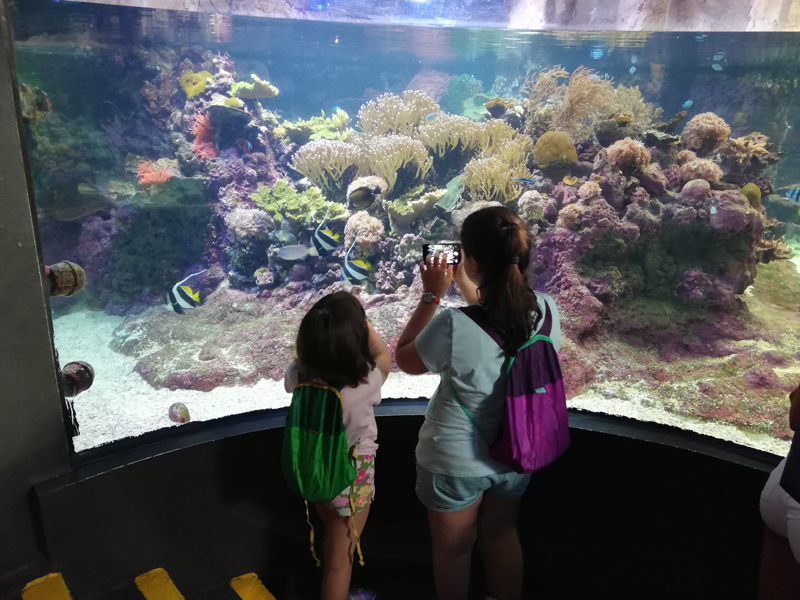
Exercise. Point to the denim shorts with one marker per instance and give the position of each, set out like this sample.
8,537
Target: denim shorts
446,493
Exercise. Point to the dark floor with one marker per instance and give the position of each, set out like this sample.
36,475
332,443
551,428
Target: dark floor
614,518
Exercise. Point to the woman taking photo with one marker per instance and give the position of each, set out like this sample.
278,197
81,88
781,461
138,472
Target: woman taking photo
469,496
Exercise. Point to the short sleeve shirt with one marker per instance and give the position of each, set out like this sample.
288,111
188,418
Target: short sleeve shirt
469,362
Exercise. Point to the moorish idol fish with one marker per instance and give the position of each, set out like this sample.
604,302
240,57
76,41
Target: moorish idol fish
522,180
793,193
325,241
181,297
363,197
355,271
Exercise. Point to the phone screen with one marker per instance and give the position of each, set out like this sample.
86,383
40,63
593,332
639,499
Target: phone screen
452,250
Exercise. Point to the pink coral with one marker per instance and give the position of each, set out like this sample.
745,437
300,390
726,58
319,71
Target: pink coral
204,150
628,153
150,173
700,169
590,189
364,229
704,132
432,83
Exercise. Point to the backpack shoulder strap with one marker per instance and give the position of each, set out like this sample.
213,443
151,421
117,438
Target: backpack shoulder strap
478,314
547,325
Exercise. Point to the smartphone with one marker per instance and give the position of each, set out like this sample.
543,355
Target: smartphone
452,250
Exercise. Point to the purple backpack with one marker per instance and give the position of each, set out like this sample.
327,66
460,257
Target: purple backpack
535,429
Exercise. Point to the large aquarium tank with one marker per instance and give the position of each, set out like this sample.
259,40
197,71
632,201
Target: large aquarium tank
216,172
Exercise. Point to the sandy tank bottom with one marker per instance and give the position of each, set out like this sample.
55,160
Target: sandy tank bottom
121,404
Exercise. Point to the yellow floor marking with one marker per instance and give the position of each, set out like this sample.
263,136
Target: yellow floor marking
156,585
249,587
49,587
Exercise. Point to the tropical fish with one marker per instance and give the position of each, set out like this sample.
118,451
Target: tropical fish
356,270
793,193
740,119
634,59
688,104
719,56
716,67
244,145
296,252
522,180
431,116
363,197
181,297
286,236
325,241
632,70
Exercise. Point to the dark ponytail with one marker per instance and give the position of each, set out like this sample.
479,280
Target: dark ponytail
500,243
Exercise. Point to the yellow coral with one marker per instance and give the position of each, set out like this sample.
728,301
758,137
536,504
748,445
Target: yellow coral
252,91
405,211
629,100
392,114
448,132
555,148
324,162
750,146
195,83
386,155
753,194
569,180
490,179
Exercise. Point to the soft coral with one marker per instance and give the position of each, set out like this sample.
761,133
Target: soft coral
150,173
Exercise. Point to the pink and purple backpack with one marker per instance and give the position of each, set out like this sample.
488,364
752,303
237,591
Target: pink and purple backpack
535,428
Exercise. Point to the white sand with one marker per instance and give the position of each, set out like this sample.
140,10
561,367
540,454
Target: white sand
121,404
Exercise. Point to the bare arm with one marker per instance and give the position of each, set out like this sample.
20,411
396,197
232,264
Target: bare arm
794,411
436,276
378,349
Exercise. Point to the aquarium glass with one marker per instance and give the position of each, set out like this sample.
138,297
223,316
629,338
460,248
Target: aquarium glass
216,174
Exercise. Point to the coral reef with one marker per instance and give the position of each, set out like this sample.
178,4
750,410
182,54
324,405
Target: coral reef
394,114
249,223
331,165
555,148
628,154
364,229
319,128
704,132
152,174
253,90
396,158
490,180
281,201
194,84
700,168
460,88
430,83
590,189
405,210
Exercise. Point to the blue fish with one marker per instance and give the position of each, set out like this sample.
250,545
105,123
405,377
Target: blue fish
793,193
431,116
325,241
522,180
632,70
354,271
688,104
295,252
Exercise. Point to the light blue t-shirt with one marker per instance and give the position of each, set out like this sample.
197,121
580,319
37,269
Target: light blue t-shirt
470,361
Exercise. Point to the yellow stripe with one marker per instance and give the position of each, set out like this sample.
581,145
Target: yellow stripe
156,585
249,587
49,587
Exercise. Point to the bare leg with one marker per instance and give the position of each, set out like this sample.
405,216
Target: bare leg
780,572
453,535
498,540
340,543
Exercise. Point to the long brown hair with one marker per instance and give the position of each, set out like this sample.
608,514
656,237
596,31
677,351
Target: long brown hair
500,243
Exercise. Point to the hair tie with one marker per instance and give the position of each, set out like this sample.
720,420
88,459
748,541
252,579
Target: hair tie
515,260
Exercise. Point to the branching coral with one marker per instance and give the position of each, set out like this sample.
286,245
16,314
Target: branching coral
752,147
490,179
388,155
364,229
628,154
319,128
392,114
450,132
258,88
195,83
326,162
629,100
772,249
700,168
150,173
248,223
703,132
301,208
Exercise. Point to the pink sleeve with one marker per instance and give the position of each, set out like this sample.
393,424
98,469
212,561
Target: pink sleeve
375,384
290,377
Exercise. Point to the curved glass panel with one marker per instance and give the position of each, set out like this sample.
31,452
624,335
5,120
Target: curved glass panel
192,195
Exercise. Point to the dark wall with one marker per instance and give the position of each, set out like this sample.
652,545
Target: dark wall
32,436
616,517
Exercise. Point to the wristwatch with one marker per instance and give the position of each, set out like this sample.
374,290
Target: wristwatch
429,298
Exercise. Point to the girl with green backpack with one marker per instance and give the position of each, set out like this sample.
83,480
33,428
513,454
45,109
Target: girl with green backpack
330,437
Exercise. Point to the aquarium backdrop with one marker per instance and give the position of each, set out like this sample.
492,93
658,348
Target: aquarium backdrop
216,175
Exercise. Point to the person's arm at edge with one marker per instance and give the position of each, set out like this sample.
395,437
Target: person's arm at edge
794,411
380,351
436,277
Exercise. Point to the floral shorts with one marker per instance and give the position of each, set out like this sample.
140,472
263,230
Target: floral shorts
363,488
